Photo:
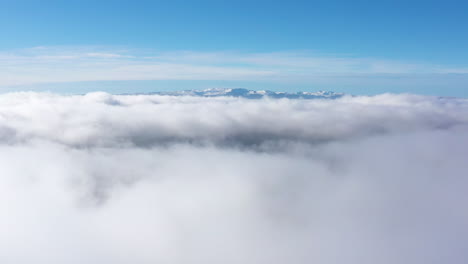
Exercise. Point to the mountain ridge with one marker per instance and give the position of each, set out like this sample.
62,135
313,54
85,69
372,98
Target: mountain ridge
252,94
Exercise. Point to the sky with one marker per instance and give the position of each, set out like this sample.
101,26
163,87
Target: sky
357,47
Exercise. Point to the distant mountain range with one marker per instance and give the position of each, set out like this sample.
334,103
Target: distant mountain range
252,94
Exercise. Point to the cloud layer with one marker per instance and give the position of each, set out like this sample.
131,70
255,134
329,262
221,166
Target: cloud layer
101,178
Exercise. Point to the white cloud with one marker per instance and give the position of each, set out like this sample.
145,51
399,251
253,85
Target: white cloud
73,64
154,179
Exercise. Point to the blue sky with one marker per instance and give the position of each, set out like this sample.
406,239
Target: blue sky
360,47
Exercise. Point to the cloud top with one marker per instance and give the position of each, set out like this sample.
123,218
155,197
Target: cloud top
104,120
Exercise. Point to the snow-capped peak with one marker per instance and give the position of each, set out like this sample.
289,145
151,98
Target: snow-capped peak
253,94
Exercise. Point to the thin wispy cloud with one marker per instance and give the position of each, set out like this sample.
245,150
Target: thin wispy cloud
75,64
